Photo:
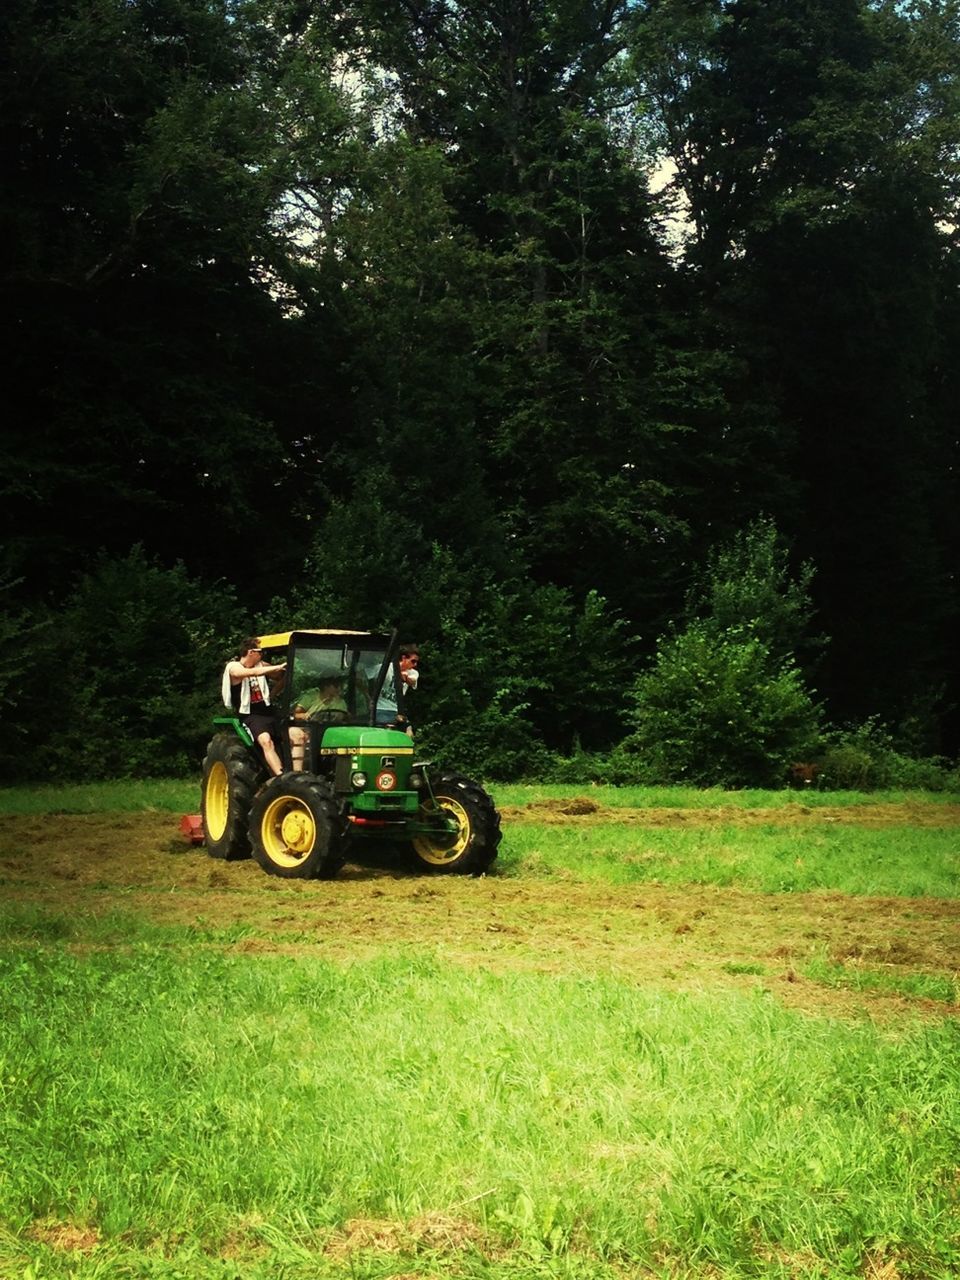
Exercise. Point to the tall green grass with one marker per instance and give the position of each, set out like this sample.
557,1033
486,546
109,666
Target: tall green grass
581,1125
167,795
160,795
679,797
894,861
858,977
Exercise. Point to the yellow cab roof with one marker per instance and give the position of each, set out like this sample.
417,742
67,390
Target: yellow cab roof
282,638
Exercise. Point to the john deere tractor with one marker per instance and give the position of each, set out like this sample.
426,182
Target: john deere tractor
350,775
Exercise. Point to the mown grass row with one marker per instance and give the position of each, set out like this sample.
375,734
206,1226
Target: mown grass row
28,922
175,1098
768,857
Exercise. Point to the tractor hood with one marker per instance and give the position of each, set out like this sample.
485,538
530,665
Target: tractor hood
352,739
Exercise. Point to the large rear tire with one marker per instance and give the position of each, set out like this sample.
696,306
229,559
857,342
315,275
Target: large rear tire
295,828
470,849
231,776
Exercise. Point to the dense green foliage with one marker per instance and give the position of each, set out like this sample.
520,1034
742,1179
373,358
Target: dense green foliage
513,325
724,703
715,710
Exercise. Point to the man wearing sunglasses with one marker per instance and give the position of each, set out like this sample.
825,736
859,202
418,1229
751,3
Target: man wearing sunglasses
247,694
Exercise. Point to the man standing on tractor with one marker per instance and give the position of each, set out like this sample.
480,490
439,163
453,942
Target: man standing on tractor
246,692
409,655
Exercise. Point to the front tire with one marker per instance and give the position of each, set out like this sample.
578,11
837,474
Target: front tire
295,828
468,850
231,777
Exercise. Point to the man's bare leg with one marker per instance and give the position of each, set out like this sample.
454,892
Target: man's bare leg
270,754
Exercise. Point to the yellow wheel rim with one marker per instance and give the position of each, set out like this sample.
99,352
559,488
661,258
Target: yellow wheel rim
288,831
217,801
440,849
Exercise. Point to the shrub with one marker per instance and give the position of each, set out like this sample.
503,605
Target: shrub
863,758
127,678
717,710
496,743
746,584
581,767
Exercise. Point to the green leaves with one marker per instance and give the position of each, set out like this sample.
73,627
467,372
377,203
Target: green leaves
717,710
284,279
724,703
125,682
747,588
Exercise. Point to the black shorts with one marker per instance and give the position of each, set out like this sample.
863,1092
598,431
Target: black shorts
261,722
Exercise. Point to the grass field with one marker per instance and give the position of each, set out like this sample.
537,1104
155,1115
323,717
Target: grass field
667,1039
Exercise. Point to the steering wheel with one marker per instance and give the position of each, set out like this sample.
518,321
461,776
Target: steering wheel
326,716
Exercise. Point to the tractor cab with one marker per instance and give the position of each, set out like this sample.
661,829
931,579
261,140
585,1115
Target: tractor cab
337,677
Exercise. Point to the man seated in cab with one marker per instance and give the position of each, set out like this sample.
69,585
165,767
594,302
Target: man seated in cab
310,705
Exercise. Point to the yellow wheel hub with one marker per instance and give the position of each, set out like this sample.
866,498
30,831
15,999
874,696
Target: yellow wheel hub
217,801
288,831
447,846
297,833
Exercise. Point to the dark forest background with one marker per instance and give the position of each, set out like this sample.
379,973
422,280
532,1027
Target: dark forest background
607,349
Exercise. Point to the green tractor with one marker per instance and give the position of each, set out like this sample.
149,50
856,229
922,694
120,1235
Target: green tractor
349,770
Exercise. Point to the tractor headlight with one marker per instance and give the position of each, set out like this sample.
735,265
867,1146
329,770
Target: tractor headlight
359,779
416,781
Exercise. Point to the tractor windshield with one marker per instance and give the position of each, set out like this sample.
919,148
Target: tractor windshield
334,683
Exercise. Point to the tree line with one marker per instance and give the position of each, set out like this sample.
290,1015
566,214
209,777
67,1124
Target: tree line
607,349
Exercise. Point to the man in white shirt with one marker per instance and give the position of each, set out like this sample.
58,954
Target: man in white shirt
247,693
